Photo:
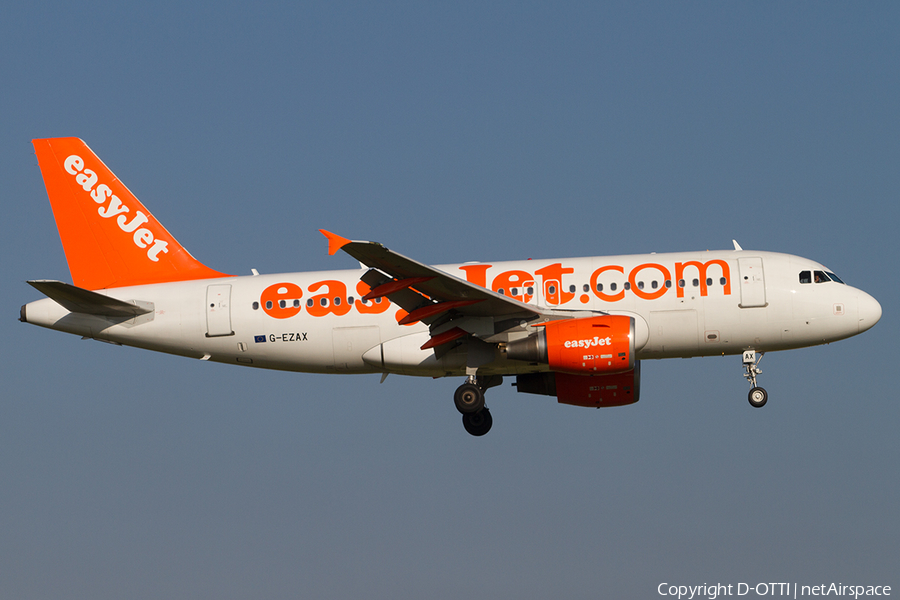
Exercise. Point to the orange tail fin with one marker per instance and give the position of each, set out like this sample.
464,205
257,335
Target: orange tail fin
109,238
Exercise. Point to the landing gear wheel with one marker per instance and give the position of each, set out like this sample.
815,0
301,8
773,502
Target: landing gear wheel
469,399
758,397
478,423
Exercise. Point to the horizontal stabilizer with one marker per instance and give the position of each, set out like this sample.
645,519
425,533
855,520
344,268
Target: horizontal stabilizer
79,300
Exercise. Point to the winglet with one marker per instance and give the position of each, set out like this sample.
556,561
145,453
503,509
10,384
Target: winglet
335,242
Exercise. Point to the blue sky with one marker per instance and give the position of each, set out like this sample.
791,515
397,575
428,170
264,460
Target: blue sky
451,133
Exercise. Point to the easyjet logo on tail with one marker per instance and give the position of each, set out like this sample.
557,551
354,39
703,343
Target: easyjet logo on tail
111,206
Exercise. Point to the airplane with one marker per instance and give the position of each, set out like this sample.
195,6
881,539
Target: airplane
573,328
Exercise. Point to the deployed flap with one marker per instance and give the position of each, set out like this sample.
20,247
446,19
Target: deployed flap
79,300
438,285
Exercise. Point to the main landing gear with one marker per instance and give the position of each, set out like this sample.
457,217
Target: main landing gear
757,396
469,400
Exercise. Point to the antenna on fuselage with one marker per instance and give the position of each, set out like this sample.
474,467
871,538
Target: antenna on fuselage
737,247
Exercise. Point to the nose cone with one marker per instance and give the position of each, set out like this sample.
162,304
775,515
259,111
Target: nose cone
869,311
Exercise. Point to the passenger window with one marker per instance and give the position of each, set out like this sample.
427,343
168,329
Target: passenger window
612,287
501,291
654,284
640,285
309,302
256,306
269,304
627,285
696,282
805,277
599,287
709,281
722,281
681,283
586,288
296,304
337,301
572,289
668,283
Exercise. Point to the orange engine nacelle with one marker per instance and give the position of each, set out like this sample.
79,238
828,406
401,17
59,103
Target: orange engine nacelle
591,345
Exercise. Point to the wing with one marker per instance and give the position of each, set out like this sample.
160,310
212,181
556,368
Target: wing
452,307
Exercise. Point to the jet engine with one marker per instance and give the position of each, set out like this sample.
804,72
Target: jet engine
586,346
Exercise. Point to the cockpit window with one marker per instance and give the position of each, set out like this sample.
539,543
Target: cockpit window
818,277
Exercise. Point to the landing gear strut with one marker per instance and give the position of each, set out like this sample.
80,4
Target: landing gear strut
469,401
757,396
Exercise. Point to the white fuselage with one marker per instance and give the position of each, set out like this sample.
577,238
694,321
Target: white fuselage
684,305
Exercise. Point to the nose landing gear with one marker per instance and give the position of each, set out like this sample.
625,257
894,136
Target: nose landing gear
757,396
469,401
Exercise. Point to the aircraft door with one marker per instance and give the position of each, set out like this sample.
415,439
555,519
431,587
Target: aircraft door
753,282
218,310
